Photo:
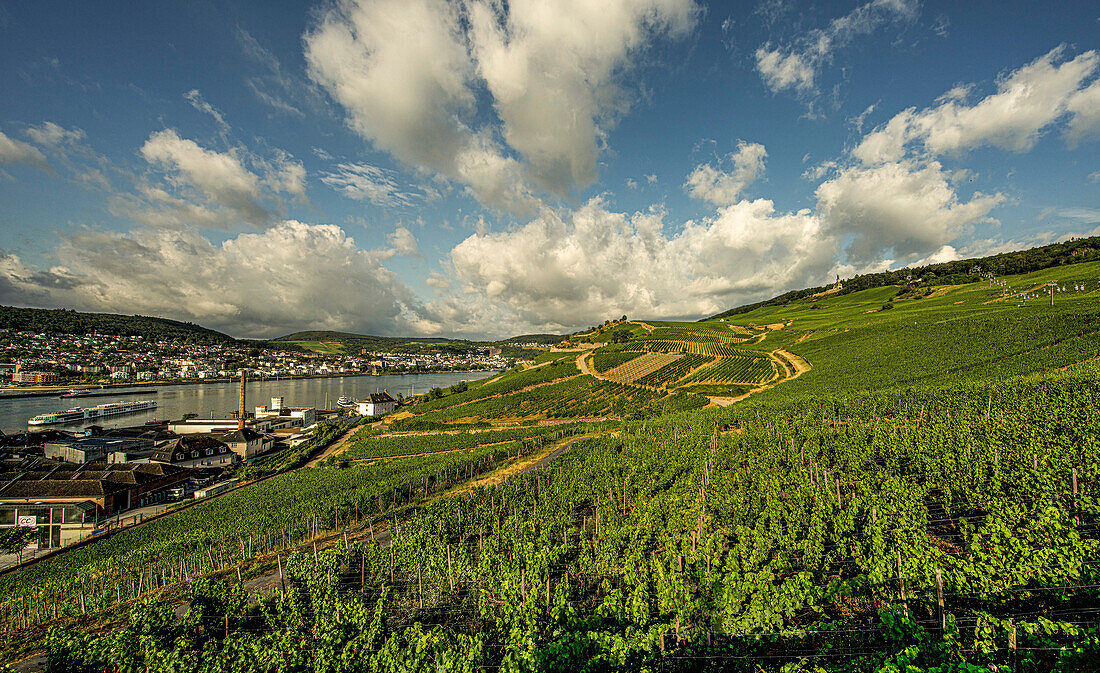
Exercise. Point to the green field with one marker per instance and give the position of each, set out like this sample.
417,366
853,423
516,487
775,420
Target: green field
326,347
916,494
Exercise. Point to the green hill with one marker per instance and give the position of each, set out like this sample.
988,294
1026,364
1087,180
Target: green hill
350,343
74,322
1073,251
900,477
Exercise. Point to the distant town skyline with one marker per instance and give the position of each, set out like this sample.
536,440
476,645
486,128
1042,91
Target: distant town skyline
423,167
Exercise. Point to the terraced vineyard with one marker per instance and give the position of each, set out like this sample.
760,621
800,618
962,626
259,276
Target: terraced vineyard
578,397
503,385
606,361
712,348
665,356
674,371
737,369
640,367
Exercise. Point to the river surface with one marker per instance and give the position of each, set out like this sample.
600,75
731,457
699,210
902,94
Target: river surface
219,400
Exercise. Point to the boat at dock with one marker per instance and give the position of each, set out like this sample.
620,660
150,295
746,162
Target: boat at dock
78,414
97,392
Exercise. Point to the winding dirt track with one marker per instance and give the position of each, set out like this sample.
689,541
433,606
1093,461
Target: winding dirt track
335,447
783,359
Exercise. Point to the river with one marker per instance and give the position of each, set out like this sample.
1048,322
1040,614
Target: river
219,400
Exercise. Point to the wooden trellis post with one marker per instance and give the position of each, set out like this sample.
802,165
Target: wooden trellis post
450,577
901,584
939,599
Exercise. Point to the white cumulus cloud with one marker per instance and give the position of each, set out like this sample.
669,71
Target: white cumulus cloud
289,277
232,191
899,211
1027,102
403,242
795,67
220,176
14,151
721,187
408,73
49,134
554,71
563,271
1084,106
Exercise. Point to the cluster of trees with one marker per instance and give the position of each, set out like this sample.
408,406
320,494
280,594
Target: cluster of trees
436,393
65,321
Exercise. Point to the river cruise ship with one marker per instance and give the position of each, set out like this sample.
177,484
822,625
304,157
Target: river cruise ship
77,414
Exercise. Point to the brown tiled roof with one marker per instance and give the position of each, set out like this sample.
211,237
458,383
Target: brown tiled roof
43,478
187,444
61,488
246,435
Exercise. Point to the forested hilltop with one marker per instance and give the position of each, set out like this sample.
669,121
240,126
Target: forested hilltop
898,478
949,273
66,321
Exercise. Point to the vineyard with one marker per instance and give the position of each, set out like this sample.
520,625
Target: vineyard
502,385
222,532
712,348
577,397
925,498
370,446
712,358
640,367
930,529
740,369
603,362
673,371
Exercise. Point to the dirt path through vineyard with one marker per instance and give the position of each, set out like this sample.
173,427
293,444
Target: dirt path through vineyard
582,365
782,358
334,448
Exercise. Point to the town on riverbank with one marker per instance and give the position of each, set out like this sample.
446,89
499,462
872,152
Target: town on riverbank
40,362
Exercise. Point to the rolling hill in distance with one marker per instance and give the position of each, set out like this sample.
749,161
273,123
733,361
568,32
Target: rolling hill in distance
65,321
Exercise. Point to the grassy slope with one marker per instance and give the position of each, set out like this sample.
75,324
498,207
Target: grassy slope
854,345
962,331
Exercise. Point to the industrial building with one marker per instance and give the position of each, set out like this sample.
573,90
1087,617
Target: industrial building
64,501
282,416
95,449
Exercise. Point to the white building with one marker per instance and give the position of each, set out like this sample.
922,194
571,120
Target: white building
280,415
376,404
215,425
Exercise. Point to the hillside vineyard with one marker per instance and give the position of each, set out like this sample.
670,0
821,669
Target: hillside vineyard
892,479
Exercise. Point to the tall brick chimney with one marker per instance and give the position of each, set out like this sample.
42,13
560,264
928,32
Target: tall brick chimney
240,409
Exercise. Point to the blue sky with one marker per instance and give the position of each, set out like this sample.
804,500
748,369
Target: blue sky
480,169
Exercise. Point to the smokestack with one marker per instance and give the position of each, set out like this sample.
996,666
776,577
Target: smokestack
240,410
